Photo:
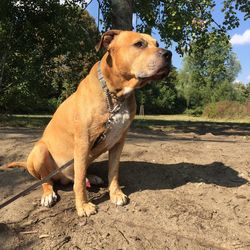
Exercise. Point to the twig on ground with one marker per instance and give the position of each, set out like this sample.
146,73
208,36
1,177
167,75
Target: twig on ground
123,235
29,232
42,236
144,146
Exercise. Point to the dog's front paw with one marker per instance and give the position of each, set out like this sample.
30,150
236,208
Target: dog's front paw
86,209
48,200
118,197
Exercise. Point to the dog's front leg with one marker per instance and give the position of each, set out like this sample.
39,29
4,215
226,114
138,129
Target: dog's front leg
116,195
81,152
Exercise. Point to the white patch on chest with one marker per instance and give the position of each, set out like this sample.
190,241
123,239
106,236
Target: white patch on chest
119,124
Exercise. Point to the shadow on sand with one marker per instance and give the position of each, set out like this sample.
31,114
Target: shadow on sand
138,176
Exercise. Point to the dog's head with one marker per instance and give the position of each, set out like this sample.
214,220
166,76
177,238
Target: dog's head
135,56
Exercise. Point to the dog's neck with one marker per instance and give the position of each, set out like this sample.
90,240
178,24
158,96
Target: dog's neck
112,100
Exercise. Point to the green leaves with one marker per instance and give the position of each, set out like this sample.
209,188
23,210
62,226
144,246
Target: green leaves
182,22
46,48
209,71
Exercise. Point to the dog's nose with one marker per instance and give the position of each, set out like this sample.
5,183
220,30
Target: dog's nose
166,53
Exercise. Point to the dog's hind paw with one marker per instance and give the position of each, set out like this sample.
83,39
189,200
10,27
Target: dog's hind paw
48,200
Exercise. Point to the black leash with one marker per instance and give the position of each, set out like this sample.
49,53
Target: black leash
37,184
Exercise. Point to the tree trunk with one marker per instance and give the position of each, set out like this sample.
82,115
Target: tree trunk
141,110
122,13
2,69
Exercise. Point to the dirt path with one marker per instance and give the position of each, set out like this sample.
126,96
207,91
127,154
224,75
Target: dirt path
187,190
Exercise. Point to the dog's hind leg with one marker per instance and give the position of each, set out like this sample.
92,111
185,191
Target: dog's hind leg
40,164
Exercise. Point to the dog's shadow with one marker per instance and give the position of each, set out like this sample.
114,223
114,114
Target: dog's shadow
138,176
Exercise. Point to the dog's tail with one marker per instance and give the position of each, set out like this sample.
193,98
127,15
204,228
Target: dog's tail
15,164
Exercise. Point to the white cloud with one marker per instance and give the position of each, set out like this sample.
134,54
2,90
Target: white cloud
248,77
241,39
237,81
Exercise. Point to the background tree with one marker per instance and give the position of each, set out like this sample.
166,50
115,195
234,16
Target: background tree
121,14
208,74
242,91
46,48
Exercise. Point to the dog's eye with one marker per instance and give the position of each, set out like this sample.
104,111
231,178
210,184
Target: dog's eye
140,44
157,44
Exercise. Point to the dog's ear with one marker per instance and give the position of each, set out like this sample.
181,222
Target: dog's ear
106,39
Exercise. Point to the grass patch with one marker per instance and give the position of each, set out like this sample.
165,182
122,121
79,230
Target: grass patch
29,121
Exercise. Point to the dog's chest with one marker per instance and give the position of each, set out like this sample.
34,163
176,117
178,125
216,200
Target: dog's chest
120,122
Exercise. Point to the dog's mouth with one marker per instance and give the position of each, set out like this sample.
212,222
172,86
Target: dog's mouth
159,74
164,71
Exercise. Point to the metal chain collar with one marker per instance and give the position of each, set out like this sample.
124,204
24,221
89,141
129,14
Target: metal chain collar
113,101
113,104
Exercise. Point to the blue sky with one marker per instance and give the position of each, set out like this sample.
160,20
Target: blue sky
240,40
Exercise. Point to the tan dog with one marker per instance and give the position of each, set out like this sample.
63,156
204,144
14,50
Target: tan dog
131,60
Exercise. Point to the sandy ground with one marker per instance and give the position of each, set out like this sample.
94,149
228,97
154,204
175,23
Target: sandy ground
188,189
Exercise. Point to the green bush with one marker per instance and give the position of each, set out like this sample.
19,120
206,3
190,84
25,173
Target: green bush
53,104
227,109
194,112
